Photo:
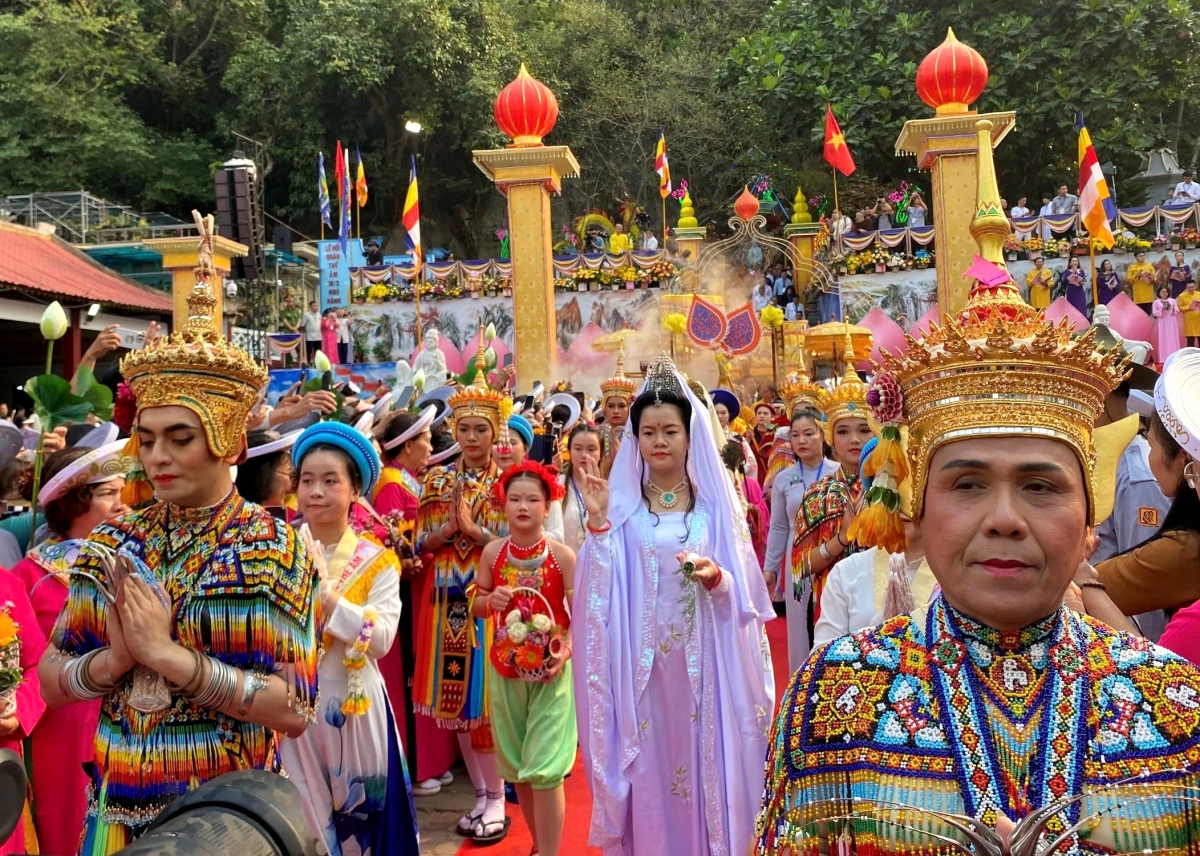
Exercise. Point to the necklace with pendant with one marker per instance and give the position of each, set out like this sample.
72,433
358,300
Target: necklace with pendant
668,498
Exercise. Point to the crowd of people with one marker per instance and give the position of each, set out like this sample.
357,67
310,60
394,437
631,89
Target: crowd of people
973,553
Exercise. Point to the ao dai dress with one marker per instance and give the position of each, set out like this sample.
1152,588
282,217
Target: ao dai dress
1167,335
1108,284
348,765
1075,285
786,493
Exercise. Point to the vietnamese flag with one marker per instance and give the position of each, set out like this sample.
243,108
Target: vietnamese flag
837,153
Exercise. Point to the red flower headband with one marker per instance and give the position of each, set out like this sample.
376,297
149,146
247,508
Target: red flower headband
547,475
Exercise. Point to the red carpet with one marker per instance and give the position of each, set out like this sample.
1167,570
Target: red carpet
579,799
575,830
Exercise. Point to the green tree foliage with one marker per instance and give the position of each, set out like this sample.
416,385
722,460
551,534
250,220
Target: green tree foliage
1128,64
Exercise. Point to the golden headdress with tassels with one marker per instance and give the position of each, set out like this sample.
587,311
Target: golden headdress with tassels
798,391
618,384
479,399
847,399
196,368
998,369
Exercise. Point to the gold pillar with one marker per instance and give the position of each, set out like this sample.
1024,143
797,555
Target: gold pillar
527,176
801,236
947,146
180,256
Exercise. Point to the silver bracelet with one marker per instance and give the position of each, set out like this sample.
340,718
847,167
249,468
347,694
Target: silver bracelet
218,693
78,681
824,553
251,685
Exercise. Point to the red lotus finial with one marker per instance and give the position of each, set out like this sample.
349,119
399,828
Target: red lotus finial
526,110
747,205
951,77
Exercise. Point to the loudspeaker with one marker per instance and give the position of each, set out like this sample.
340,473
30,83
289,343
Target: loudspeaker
245,813
238,217
283,239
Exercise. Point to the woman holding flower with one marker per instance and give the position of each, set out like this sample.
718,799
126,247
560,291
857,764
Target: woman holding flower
21,705
349,765
674,687
529,671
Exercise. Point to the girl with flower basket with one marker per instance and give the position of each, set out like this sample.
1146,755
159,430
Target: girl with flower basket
524,581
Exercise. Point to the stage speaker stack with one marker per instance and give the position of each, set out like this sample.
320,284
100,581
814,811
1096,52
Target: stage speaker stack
238,215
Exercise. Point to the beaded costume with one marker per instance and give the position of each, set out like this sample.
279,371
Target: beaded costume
242,590
452,645
818,519
947,715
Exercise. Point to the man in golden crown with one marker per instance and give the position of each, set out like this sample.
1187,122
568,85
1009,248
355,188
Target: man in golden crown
995,706
615,394
455,519
192,619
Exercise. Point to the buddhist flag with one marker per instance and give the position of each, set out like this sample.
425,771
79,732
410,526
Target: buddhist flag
661,166
323,191
360,182
344,194
837,153
411,217
1093,191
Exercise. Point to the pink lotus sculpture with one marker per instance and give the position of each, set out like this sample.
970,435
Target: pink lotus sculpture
1061,309
887,335
1128,319
933,315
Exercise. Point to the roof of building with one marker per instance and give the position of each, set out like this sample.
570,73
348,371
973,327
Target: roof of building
45,266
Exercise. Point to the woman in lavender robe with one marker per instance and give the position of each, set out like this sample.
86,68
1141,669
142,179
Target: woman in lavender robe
1074,282
675,691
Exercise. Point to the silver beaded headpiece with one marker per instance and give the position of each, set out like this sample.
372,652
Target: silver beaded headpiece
661,377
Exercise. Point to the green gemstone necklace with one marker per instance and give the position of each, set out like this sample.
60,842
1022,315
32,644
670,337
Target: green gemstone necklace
668,498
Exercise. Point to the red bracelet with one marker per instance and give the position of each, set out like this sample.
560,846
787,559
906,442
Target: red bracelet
607,526
715,582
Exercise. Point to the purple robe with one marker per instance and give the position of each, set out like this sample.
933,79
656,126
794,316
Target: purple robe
1180,277
1075,282
1109,286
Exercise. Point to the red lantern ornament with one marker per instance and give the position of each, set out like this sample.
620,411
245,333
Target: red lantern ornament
951,77
747,205
526,110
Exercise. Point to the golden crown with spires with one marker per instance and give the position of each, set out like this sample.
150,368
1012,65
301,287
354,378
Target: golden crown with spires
196,367
479,399
849,398
997,369
618,384
798,390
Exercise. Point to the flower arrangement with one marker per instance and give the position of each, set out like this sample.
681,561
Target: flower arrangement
896,261
1012,244
922,258
674,323
771,317
1159,242
358,295
528,638
10,660
661,271
1190,236
1063,247
585,276
357,702
377,293
1033,244
1131,243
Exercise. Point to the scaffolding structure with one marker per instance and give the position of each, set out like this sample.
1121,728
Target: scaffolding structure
79,217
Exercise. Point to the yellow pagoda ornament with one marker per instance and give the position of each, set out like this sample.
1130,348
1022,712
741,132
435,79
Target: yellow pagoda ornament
800,208
687,214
